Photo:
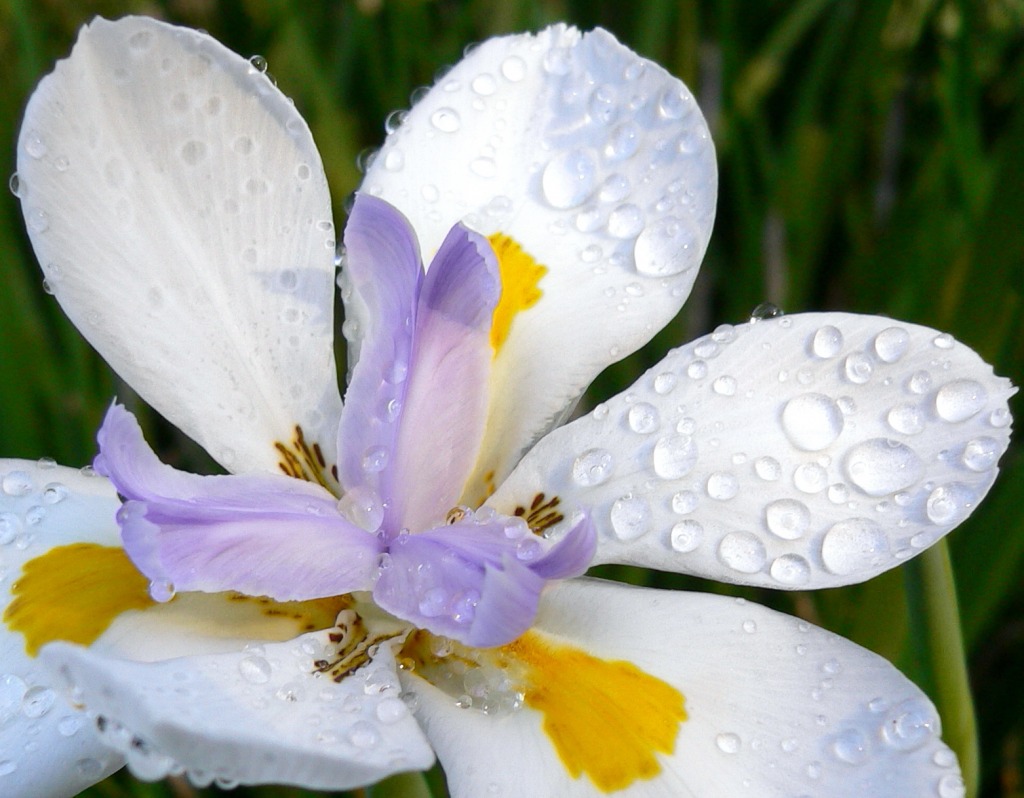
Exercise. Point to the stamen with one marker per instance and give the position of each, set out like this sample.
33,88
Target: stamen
302,460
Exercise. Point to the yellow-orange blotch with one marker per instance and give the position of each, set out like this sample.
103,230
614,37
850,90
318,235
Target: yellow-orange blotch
74,593
607,719
520,277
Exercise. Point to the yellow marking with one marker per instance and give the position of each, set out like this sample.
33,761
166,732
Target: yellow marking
520,276
73,593
607,719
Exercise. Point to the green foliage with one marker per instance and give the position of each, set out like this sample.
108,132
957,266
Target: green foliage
872,160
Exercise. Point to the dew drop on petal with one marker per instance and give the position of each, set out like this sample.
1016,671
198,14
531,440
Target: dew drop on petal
952,786
255,670
625,222
910,724
363,507
950,504
906,419
161,590
827,342
666,247
722,485
981,454
858,368
569,179
446,120
37,701
850,746
630,517
812,421
674,456
683,502
686,536
593,467
363,734
960,400
664,383
790,570
853,545
810,478
743,552
767,468
643,418
891,344
787,518
375,459
881,466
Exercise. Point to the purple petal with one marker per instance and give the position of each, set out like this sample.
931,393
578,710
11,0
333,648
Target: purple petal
259,534
447,397
385,273
477,580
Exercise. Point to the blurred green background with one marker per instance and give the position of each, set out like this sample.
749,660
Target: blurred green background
872,160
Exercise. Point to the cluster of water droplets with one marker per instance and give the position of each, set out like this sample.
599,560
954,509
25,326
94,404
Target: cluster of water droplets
27,497
625,157
790,447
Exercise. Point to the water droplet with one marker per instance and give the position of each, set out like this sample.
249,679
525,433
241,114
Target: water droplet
69,725
1000,417
881,466
850,746
35,146
259,63
674,102
161,590
593,467
485,85
960,400
16,483
666,247
623,142
37,701
683,502
7,766
255,670
513,68
767,468
858,368
827,342
363,507
765,310
643,418
950,504
675,456
724,385
722,486
910,724
920,382
943,341
906,419
15,185
446,120
664,383
630,517
812,421
790,570
363,734
625,222
810,478
743,552
728,743
891,344
391,710
394,160
981,454
952,786
602,105
853,545
375,459
697,370
787,518
569,179
686,536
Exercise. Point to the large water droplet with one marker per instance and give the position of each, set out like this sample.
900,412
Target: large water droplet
910,724
643,418
767,468
742,552
850,746
513,69
853,545
666,247
722,485
858,368
791,570
686,535
255,670
446,120
37,701
683,502
981,454
906,419
569,179
810,478
891,344
375,459
593,467
363,507
12,692
630,517
812,421
881,466
674,456
959,400
952,786
623,142
35,145
787,518
625,222
950,504
827,342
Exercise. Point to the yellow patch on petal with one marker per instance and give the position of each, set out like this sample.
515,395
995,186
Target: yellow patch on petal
520,276
605,718
73,593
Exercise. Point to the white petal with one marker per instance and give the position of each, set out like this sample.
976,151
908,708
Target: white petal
806,451
47,747
179,208
775,707
255,716
599,165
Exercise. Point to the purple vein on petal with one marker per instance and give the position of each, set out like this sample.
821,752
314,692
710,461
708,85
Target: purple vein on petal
259,534
384,270
446,401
